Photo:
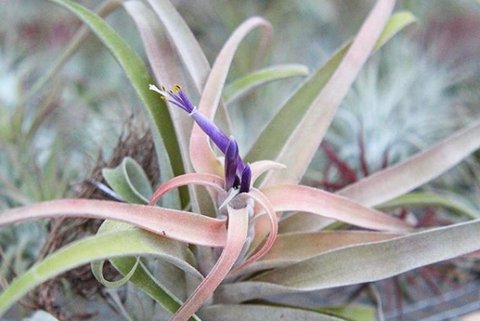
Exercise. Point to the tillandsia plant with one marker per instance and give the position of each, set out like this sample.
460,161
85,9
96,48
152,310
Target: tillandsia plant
230,245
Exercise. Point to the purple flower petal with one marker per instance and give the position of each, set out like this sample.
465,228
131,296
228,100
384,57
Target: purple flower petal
216,135
231,159
246,179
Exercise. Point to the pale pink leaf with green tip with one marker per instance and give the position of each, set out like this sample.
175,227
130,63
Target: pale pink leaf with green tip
276,133
209,180
302,144
383,259
397,180
303,223
260,167
165,65
295,247
360,263
187,45
189,50
179,225
201,154
168,69
236,236
311,200
260,198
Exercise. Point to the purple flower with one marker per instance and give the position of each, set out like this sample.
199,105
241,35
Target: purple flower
237,175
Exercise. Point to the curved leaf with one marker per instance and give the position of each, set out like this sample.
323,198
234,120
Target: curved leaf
397,180
237,234
430,199
142,277
255,312
262,200
100,247
166,145
311,200
130,181
209,180
246,84
260,167
97,271
361,263
201,154
180,225
166,67
354,312
189,50
316,120
276,134
303,222
295,247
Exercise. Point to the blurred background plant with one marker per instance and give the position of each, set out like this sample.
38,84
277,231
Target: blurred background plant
50,139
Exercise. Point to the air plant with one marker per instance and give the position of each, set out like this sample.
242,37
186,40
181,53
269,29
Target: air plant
236,220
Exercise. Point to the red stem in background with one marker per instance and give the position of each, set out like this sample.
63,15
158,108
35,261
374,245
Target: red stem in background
363,159
342,166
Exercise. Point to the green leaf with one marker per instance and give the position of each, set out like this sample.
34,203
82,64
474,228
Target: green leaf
97,270
130,181
253,312
202,155
428,199
302,144
143,279
352,312
170,161
360,263
109,245
139,275
296,247
167,69
397,23
276,134
189,50
244,85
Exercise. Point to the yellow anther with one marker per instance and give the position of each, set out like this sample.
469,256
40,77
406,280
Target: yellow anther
176,88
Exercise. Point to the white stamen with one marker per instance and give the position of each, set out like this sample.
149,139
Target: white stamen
157,90
231,194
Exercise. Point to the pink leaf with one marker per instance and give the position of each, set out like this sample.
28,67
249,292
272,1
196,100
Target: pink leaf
260,167
179,225
260,198
303,143
201,154
188,179
397,180
165,63
295,247
236,236
307,199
